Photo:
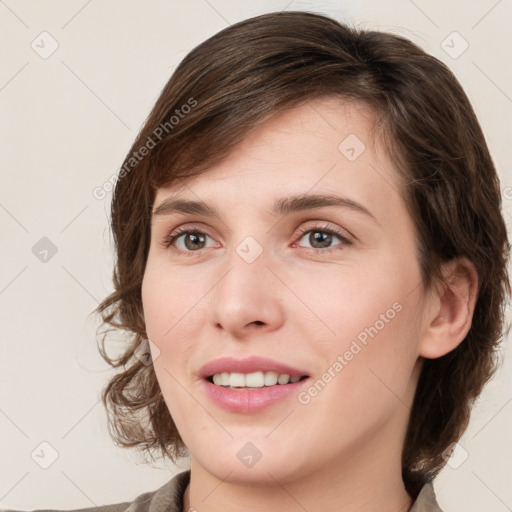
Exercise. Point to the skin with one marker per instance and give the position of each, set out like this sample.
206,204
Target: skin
302,304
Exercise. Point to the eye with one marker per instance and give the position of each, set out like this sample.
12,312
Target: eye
322,237
190,240
187,240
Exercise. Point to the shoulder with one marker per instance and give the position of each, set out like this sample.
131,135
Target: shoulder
168,498
426,500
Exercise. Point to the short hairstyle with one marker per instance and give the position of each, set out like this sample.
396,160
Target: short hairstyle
241,77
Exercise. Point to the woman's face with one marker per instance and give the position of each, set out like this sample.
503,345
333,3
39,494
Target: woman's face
295,256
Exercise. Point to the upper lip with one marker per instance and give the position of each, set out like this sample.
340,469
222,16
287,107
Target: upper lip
248,365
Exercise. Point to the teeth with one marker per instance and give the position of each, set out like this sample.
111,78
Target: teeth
283,378
237,380
271,378
252,380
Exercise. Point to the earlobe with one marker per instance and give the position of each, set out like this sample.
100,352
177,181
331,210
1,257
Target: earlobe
452,309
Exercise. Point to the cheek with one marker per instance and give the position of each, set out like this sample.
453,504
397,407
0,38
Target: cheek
169,316
380,377
366,376
365,323
174,316
167,302
341,302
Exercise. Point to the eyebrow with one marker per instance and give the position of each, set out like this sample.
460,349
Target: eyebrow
281,206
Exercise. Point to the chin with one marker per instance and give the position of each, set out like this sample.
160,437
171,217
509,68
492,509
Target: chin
241,462
260,474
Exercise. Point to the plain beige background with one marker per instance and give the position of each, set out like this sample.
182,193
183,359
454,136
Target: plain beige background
77,80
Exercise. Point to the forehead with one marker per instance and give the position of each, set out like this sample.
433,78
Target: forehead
326,145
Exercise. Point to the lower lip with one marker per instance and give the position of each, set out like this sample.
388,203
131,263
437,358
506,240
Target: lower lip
250,400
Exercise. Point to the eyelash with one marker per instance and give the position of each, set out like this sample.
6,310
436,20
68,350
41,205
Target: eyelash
172,237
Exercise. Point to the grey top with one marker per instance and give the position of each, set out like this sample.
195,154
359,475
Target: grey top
169,498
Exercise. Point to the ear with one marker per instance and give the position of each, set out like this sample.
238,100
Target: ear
450,311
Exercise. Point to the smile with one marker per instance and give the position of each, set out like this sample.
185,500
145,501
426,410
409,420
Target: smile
254,380
252,384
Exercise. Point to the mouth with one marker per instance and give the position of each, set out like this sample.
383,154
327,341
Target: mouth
253,380
251,385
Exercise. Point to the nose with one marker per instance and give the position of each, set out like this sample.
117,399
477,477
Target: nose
246,300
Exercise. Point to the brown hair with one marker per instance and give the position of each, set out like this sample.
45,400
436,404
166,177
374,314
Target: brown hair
241,77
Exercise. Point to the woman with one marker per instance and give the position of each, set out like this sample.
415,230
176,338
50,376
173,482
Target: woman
309,243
